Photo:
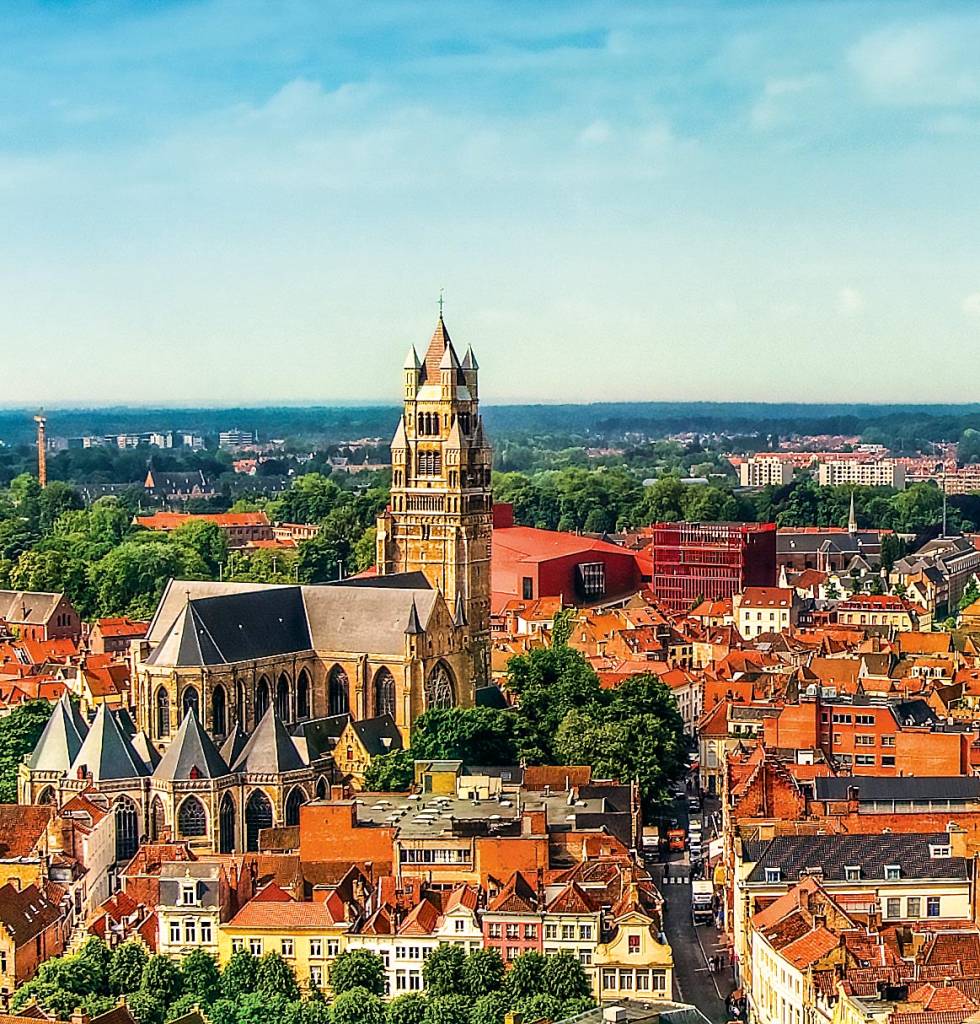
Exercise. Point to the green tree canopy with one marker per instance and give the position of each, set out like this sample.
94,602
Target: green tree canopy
358,968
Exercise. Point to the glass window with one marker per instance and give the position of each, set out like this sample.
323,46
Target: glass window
634,943
913,907
316,947
316,976
932,906
551,931
206,930
333,947
175,931
608,979
237,945
255,947
286,947
190,930
893,907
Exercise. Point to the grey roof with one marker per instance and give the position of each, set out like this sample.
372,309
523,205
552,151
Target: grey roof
233,745
372,732
903,787
636,1011
794,855
190,751
28,606
61,739
107,753
211,624
914,712
320,734
126,723
146,750
491,697
270,749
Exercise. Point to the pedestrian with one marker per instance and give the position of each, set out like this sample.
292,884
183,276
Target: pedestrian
711,965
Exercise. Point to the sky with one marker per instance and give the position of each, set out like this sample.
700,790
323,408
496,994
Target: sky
222,202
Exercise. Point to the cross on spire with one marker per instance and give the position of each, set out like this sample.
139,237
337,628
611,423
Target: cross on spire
441,300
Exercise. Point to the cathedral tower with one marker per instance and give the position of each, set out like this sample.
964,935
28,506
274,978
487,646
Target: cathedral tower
440,518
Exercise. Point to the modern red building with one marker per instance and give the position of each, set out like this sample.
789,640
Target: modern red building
528,563
710,561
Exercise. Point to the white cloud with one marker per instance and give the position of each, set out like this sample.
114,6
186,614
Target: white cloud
775,106
971,304
596,133
923,64
850,301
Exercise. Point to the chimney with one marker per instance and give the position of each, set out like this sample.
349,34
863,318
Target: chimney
78,1017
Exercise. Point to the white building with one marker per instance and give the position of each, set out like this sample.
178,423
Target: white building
764,610
866,473
765,471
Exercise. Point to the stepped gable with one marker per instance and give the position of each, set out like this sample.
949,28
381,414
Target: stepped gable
107,753
61,739
191,754
270,749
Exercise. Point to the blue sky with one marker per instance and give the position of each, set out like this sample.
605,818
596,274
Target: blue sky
227,202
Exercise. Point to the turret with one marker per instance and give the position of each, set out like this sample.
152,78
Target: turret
471,373
412,373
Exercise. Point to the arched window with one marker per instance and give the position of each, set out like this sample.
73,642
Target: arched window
163,712
239,701
46,796
127,829
321,788
294,802
226,825
192,819
191,701
303,695
435,423
258,815
218,713
339,691
261,698
384,693
282,698
158,820
440,690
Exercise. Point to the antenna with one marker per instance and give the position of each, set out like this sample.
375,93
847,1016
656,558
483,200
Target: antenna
42,448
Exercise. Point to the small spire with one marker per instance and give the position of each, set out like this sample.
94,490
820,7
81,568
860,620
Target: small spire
459,618
852,524
414,627
469,360
449,360
412,360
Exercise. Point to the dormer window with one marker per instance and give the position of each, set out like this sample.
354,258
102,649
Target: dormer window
188,894
939,850
774,875
893,872
852,873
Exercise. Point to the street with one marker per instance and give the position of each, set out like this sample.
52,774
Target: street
692,945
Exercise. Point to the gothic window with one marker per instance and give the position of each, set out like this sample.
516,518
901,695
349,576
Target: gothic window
294,801
226,825
192,819
339,691
46,796
258,815
282,698
384,693
191,702
440,690
158,820
435,423
303,695
163,712
127,829
430,463
261,698
218,712
321,788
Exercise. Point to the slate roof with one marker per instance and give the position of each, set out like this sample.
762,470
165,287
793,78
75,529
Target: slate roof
28,607
191,754
61,739
320,734
373,731
234,744
107,753
905,787
146,750
200,623
270,749
794,855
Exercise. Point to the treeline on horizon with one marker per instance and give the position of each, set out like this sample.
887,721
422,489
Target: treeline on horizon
904,426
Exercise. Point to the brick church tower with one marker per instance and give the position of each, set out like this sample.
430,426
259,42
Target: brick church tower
440,519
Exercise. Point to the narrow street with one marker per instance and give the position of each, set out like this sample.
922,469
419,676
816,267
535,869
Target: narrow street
692,945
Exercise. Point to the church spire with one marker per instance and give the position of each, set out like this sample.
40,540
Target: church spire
852,524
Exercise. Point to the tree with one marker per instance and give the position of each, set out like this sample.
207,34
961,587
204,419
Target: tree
490,1008
442,971
223,1011
19,733
390,773
357,1006
407,1009
146,1007
274,977
161,978
970,594
126,967
239,975
95,953
565,978
207,540
358,968
480,735
483,972
201,977
448,1009
526,976
540,1007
